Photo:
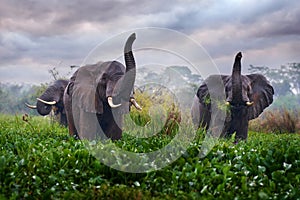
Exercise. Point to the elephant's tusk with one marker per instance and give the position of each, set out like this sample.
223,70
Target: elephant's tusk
227,103
248,103
46,102
111,104
30,106
136,105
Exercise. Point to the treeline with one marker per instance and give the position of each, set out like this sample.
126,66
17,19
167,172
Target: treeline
14,96
285,81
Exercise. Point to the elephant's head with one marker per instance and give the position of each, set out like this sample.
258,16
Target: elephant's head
252,91
105,83
52,97
246,95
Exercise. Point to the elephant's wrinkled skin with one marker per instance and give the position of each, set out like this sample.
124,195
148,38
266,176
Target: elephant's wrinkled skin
99,95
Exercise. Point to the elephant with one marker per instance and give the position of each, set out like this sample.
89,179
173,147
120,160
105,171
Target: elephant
52,100
98,95
246,98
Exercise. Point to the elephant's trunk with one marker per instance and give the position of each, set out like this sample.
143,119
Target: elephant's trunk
128,55
46,101
42,108
237,97
129,78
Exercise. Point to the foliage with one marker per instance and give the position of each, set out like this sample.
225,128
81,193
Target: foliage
39,160
159,105
180,80
277,121
281,117
14,96
290,102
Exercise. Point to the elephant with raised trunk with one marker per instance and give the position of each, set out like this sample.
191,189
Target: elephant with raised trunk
246,98
52,100
99,95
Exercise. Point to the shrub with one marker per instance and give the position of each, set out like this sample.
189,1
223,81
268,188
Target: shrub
277,121
159,108
39,160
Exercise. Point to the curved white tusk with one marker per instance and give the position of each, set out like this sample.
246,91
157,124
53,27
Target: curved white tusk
111,104
248,103
136,105
46,102
30,106
227,103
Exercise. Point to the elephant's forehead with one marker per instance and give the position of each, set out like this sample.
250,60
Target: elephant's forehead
245,81
88,74
96,70
90,70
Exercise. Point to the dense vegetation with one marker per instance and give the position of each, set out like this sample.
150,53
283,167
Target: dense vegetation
38,160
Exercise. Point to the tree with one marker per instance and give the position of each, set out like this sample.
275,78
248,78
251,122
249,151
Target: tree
285,80
14,96
294,74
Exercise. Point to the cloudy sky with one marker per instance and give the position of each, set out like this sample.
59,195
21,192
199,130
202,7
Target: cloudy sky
36,36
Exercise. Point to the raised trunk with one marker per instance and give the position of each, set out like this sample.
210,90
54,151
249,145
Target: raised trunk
129,77
237,97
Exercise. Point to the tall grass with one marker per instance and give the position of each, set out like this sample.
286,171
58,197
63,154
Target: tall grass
160,113
277,121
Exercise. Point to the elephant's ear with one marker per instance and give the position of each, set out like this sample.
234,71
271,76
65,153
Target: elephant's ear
213,85
84,94
69,88
262,95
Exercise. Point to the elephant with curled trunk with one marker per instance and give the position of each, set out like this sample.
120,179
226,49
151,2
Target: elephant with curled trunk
246,98
99,95
52,100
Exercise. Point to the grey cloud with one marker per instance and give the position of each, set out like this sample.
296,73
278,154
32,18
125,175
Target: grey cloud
260,26
281,23
54,17
47,32
59,17
196,15
13,46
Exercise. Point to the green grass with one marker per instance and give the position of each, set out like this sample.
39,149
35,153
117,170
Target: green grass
38,160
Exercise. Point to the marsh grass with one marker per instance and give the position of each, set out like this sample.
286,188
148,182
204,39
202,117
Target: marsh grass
40,161
160,115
